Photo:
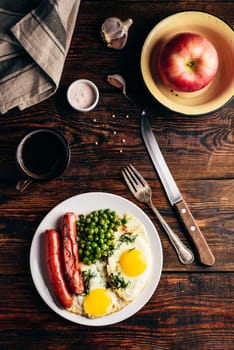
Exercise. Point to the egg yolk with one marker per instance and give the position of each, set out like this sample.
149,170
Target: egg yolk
97,303
133,262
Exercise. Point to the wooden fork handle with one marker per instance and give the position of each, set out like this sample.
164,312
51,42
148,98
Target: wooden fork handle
203,250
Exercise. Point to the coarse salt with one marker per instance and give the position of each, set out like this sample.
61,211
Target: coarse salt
82,95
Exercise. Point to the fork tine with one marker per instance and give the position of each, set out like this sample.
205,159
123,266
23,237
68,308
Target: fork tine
131,176
137,176
128,181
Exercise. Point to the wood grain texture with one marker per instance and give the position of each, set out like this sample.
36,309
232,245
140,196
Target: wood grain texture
200,244
187,309
192,308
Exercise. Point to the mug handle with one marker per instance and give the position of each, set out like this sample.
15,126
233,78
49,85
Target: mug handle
23,184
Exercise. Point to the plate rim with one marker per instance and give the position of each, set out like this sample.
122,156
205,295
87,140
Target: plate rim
187,109
109,319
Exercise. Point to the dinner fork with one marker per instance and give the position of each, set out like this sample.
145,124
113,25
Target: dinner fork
143,193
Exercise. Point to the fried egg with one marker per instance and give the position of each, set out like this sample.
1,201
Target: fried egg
99,300
112,284
130,265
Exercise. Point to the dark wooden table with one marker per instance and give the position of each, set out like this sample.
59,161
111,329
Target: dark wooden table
192,307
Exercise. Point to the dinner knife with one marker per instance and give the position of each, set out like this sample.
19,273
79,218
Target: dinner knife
176,199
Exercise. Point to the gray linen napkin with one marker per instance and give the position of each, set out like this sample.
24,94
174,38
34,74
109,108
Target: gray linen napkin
35,36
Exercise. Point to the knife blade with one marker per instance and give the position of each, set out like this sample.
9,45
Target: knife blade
174,195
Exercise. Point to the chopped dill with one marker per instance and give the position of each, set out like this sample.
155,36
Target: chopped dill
116,281
86,276
127,238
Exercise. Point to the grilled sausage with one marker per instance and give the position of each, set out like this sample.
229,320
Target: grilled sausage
53,261
70,257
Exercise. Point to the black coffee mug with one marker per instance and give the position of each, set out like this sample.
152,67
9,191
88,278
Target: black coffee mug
41,155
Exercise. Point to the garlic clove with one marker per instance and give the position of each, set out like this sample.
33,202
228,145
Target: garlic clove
115,32
118,82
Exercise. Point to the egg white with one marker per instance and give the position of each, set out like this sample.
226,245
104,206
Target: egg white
99,280
134,284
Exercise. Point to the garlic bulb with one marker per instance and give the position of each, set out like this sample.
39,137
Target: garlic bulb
115,32
118,81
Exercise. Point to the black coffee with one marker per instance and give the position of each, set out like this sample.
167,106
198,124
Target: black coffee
44,154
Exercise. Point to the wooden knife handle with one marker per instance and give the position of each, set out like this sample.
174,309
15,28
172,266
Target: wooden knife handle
205,254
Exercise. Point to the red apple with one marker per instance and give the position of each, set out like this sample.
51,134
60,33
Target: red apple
187,62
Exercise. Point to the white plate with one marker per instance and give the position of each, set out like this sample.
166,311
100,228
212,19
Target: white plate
220,91
82,204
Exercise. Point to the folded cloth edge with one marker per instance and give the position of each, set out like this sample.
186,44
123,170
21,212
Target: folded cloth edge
49,56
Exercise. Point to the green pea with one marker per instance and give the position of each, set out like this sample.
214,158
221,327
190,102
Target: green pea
108,235
96,234
102,222
94,244
124,220
105,227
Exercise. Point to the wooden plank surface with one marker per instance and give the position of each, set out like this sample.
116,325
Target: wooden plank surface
192,308
186,310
